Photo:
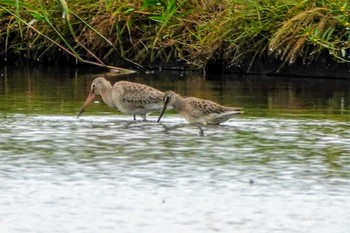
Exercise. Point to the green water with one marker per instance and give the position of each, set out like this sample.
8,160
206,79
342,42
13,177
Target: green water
62,90
282,166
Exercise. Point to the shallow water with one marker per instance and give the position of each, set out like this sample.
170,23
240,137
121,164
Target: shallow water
272,169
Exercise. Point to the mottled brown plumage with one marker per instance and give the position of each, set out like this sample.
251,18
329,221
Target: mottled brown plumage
199,111
127,97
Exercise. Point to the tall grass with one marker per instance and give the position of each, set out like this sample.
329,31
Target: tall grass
147,32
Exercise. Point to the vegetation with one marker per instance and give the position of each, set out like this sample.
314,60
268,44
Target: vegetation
149,32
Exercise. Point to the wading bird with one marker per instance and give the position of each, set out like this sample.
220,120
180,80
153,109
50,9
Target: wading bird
198,111
127,97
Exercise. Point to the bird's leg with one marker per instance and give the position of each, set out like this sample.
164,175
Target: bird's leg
201,132
134,117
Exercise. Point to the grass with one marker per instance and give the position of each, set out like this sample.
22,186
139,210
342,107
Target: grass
144,33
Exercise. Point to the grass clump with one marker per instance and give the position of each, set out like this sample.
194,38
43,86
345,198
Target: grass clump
147,32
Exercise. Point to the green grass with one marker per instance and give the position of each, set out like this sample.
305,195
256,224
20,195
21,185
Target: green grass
143,33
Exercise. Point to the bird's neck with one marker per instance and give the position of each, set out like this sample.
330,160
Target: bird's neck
179,103
106,95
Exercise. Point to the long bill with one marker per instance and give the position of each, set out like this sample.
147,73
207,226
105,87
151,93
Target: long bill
88,101
163,110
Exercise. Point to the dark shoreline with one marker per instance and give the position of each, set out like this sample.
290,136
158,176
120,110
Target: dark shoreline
323,67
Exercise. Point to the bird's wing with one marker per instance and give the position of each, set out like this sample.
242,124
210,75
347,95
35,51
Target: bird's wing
138,94
200,107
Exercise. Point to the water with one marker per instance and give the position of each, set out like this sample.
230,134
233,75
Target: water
283,166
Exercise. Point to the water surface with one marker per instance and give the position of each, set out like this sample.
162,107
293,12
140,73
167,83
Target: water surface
283,166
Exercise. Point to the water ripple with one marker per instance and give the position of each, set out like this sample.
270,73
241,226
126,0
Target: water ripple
150,177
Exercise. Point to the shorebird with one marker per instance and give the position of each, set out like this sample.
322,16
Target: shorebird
198,111
127,97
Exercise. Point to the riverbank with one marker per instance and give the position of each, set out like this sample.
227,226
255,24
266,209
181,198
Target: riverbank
232,35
